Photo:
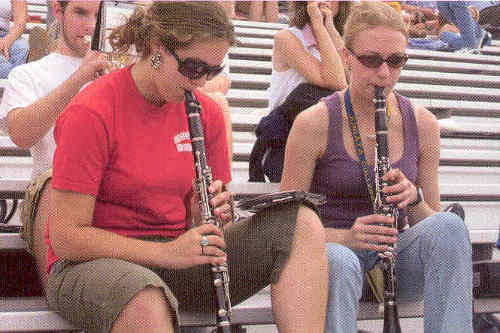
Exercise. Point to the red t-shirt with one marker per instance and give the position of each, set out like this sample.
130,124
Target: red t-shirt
134,157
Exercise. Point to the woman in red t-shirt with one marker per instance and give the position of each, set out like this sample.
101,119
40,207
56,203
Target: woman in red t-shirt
122,257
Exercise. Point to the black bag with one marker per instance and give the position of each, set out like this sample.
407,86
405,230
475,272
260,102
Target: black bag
485,323
268,153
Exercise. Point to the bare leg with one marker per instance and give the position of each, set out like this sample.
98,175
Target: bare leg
271,11
255,10
299,298
229,8
148,311
39,245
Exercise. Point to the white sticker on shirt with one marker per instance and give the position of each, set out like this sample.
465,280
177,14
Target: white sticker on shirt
182,147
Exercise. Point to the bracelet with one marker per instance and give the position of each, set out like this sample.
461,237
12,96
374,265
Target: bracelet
420,198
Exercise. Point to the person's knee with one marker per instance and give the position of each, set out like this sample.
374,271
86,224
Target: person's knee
148,305
343,263
309,222
451,225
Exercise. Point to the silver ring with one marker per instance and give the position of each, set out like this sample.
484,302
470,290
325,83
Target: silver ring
203,241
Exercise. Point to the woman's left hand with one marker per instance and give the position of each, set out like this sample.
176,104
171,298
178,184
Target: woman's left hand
402,191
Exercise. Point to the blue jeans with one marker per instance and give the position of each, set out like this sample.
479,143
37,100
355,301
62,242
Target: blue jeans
434,261
470,31
18,55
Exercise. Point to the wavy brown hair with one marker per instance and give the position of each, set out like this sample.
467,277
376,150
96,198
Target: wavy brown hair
173,24
300,16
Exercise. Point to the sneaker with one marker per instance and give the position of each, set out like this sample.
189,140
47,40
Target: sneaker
486,39
456,209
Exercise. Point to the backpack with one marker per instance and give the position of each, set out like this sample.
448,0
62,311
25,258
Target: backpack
268,153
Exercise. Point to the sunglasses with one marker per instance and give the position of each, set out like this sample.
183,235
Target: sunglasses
396,60
195,69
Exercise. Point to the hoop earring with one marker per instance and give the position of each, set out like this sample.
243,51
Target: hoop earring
156,61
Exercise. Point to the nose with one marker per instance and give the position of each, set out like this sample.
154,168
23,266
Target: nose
384,70
201,81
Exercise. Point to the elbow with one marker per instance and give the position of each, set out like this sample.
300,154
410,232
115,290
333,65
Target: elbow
20,140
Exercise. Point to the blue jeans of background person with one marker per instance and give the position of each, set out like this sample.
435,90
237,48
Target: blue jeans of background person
18,55
457,13
434,261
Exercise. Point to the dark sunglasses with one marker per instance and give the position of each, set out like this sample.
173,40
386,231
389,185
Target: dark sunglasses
396,60
195,69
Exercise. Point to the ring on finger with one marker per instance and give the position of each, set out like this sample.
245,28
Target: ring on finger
203,244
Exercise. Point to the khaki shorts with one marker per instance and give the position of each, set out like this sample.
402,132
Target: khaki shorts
92,294
29,207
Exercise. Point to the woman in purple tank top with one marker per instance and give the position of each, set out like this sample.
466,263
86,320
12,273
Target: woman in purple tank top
434,256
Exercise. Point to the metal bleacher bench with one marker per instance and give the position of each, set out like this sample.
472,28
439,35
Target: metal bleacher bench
467,88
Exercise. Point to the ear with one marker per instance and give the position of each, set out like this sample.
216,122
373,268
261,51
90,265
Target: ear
58,10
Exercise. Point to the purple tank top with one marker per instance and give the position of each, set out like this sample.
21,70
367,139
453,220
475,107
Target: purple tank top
341,178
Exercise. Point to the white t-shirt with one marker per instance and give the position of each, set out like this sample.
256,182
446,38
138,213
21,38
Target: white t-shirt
27,84
283,83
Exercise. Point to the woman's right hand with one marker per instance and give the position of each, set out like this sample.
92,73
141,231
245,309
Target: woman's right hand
186,250
365,234
93,64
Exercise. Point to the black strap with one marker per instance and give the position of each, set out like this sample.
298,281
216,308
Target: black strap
359,145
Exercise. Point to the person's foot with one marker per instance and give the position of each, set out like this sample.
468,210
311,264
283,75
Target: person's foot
467,50
486,39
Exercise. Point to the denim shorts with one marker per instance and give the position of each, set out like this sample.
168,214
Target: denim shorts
92,294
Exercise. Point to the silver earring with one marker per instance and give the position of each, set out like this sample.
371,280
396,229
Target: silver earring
156,61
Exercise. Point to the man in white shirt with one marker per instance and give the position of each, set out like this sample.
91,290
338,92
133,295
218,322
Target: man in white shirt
36,94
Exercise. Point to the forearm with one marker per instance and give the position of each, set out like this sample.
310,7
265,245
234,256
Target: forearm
331,67
419,212
29,124
340,236
15,31
89,243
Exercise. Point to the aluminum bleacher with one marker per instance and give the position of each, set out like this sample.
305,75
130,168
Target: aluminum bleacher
467,88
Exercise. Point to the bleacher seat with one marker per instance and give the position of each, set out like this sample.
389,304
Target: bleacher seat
468,87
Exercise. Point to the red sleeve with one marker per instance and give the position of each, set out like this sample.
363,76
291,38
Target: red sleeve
82,151
216,140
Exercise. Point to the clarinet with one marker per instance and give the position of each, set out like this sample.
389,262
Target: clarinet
381,206
203,179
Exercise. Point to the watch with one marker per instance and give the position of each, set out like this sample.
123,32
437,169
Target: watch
420,197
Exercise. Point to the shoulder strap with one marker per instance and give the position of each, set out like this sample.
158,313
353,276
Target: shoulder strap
357,141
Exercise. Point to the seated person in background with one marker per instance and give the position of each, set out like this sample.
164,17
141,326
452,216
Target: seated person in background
434,253
124,255
35,96
13,48
307,52
472,37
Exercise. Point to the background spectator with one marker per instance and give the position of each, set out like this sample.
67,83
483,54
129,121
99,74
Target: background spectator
307,64
13,48
472,37
35,96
